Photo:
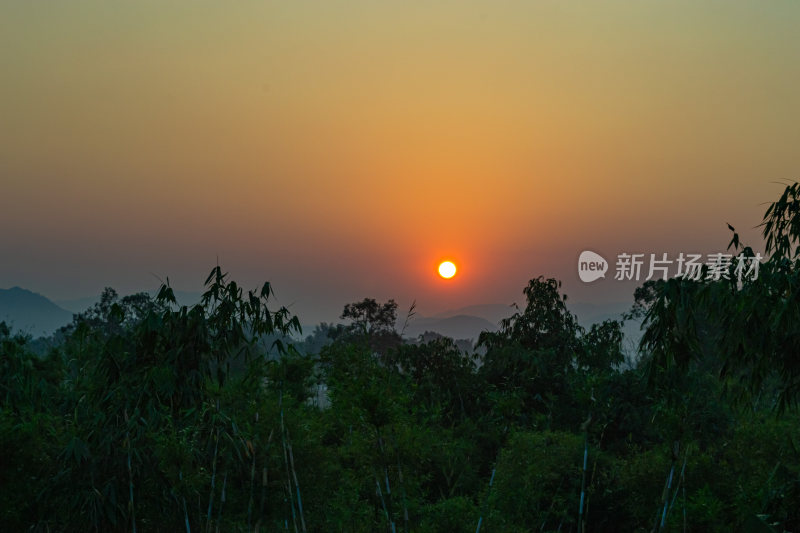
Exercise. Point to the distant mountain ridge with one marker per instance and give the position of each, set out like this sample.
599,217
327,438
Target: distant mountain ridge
79,305
587,313
32,313
493,313
455,327
36,315
29,312
467,322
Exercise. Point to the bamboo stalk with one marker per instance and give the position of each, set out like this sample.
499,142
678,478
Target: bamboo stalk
594,465
222,499
665,494
585,429
250,501
379,442
552,504
286,464
684,507
491,482
666,497
264,479
581,527
680,481
252,490
400,477
130,482
389,522
485,501
185,512
213,480
296,484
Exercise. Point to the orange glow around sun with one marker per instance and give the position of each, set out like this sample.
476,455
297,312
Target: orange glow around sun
447,269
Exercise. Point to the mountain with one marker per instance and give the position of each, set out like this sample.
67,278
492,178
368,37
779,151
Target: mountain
79,305
587,313
32,313
493,313
591,313
468,326
455,327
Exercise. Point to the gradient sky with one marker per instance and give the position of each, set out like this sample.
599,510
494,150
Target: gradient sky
341,149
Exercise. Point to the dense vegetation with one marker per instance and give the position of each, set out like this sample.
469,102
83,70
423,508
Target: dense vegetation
147,416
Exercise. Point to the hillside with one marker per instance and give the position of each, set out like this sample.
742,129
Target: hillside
455,327
30,312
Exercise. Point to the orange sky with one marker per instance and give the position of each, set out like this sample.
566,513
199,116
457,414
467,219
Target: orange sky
341,149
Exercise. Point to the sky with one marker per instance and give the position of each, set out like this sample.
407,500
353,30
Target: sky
340,150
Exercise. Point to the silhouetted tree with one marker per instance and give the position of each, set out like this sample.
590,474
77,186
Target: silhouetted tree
373,322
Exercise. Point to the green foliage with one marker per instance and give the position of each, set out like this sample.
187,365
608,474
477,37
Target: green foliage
748,327
372,324
368,316
537,482
147,416
454,515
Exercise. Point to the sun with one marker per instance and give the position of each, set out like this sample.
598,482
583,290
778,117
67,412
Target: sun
447,269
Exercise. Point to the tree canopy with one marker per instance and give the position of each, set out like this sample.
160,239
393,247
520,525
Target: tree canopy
144,415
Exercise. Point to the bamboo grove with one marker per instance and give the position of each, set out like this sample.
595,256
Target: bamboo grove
143,415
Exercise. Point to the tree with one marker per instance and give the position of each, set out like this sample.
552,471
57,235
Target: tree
751,326
370,317
153,415
373,323
530,360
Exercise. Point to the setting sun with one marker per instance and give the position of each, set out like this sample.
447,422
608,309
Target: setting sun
447,270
